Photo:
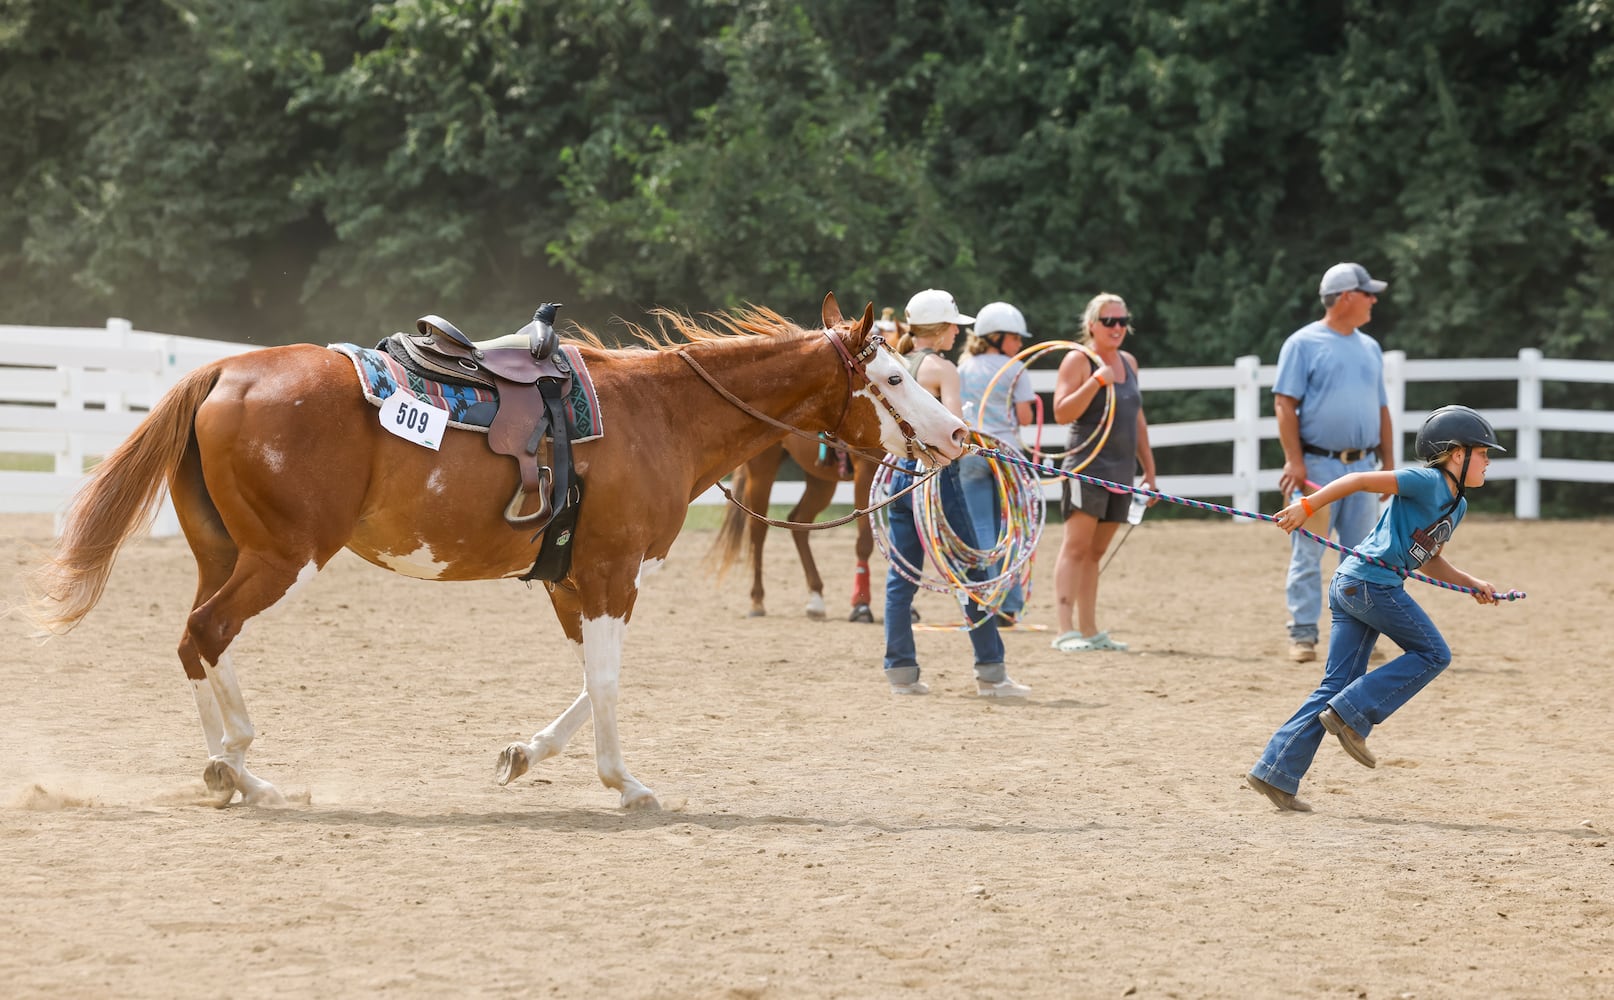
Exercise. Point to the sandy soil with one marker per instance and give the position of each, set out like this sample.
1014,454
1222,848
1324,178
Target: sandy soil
821,838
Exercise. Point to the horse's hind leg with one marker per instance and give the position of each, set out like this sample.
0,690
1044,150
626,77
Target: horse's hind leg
250,587
815,497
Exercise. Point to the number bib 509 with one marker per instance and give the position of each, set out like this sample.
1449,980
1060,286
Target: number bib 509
413,420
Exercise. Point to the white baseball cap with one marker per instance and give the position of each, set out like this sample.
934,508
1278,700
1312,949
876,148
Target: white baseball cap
934,306
1349,278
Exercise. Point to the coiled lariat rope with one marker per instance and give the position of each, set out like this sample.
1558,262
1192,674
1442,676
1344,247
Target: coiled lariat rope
1100,433
1007,560
997,455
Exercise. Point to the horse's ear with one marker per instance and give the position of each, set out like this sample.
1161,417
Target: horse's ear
832,312
858,336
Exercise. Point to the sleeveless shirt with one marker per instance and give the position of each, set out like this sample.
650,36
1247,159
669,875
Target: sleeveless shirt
1117,461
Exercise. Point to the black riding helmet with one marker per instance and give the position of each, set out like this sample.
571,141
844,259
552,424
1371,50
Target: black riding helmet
1450,427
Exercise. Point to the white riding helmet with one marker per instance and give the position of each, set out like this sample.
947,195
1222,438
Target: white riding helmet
1000,317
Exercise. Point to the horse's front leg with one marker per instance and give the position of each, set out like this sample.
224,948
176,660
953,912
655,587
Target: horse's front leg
602,668
598,642
546,743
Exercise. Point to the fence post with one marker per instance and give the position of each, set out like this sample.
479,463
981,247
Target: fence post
1395,390
1527,494
1247,432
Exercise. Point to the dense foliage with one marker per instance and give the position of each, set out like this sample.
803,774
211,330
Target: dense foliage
326,170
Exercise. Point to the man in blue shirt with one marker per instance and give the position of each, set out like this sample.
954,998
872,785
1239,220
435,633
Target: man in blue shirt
1333,419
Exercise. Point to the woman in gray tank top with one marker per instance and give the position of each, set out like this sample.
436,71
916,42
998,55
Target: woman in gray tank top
1092,513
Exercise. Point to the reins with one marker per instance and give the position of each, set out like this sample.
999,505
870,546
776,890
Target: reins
852,367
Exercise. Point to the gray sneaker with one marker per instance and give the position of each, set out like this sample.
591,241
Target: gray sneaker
1008,687
917,687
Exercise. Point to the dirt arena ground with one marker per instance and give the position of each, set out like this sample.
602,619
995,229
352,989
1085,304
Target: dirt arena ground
820,838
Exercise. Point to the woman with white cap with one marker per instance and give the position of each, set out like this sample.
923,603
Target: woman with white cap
933,319
988,363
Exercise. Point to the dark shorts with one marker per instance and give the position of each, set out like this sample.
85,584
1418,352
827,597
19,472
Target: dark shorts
1095,501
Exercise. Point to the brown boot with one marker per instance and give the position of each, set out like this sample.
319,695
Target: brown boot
1354,745
1280,798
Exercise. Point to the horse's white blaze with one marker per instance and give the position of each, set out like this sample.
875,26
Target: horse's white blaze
930,420
419,563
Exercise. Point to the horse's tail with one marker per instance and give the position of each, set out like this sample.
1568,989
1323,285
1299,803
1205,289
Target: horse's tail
119,499
732,536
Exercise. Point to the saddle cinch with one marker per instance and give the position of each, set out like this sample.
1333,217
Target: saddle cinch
532,379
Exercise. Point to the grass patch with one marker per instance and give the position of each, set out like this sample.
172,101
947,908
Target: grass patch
20,461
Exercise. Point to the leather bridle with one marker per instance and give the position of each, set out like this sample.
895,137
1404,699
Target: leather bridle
855,366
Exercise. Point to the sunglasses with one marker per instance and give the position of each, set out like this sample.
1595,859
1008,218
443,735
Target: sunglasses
1114,321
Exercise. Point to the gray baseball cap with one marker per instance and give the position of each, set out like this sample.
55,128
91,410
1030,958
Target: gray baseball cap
1349,278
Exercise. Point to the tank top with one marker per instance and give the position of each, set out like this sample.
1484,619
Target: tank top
917,357
1117,461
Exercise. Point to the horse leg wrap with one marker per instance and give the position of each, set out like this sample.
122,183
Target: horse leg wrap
860,583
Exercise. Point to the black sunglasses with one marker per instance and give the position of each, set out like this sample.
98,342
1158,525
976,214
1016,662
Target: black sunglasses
1114,321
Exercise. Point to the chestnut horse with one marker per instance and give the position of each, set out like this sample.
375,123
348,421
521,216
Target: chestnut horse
275,462
752,484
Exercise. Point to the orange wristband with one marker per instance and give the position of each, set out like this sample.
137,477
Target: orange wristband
1100,376
1306,507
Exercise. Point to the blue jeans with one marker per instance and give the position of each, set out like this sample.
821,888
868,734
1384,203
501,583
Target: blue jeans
1361,613
901,661
980,489
1350,520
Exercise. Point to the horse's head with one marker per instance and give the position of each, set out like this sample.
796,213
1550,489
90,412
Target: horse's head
890,409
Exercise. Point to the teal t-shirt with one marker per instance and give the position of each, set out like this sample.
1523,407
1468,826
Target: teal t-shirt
1412,530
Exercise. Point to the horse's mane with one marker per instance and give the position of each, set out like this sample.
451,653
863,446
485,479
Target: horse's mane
674,330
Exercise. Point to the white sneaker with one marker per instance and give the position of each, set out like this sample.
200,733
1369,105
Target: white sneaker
1008,687
917,687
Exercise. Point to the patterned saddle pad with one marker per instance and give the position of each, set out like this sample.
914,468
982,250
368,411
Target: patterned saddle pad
471,407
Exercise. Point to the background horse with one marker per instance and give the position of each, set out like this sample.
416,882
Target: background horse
752,483
275,462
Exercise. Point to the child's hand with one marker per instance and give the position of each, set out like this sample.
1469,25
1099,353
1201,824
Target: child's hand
1291,517
1484,593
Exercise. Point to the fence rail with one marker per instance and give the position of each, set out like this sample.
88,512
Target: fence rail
69,395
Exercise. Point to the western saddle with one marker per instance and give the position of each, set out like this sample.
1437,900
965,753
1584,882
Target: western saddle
532,378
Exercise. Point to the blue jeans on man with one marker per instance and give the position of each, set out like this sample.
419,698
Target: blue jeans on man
901,659
980,487
1362,612
1350,520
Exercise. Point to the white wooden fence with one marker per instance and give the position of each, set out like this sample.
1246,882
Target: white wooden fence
73,394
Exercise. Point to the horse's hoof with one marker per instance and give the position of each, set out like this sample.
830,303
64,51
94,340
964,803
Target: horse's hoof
513,763
643,800
266,796
815,607
861,613
220,779
757,612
